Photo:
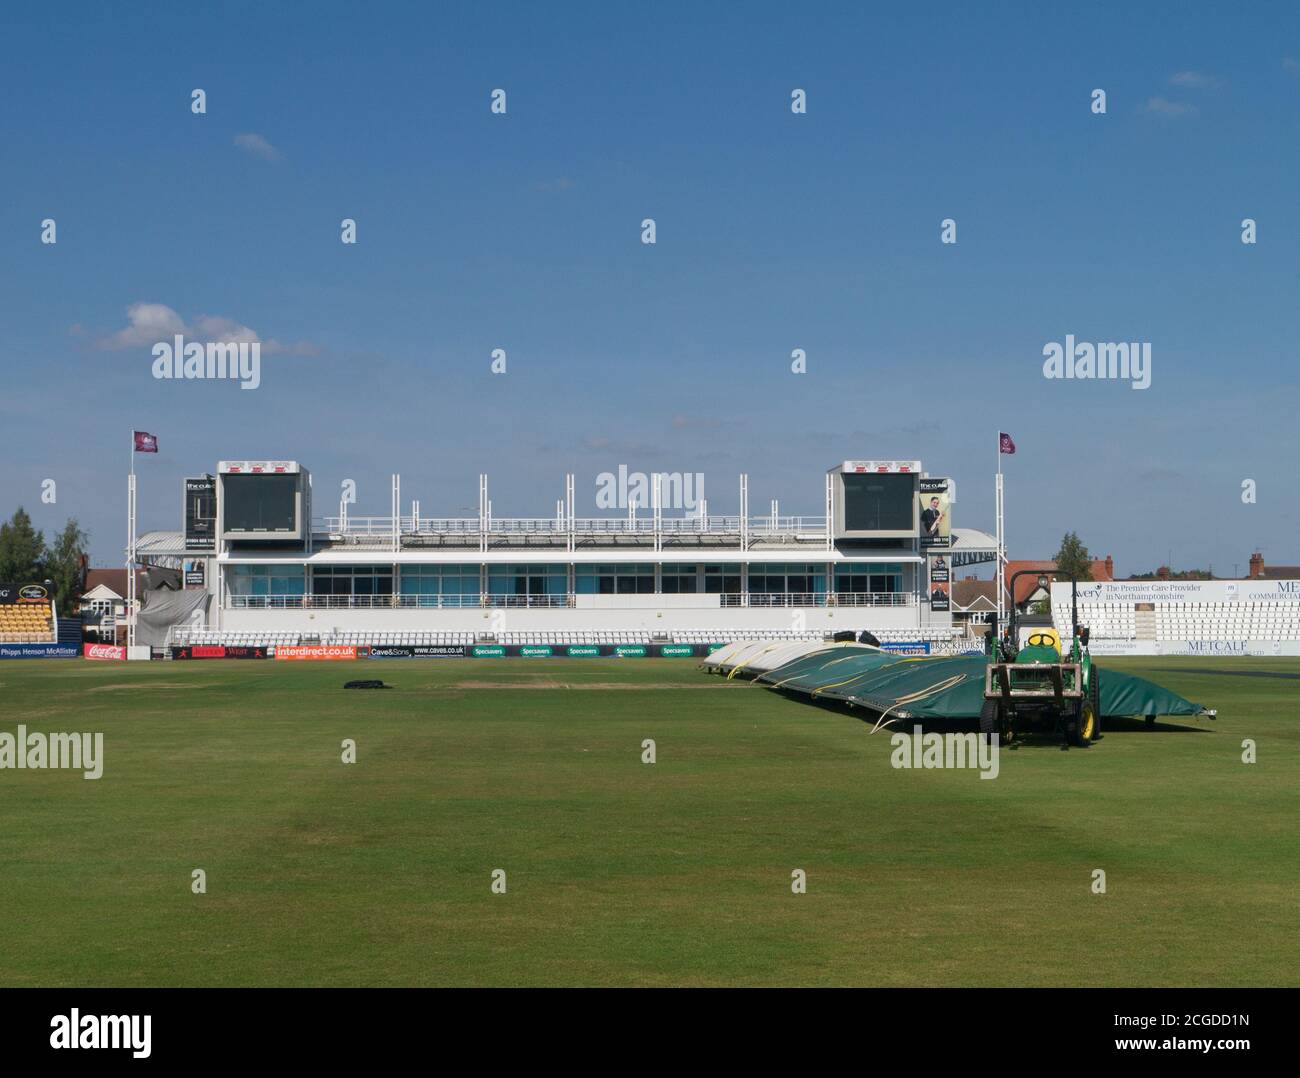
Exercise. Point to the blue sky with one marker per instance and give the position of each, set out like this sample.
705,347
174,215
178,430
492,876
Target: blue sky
775,232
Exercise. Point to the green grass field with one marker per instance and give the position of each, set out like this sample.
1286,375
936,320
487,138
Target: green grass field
620,872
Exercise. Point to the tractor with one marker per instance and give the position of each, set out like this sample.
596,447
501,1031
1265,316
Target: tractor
1039,685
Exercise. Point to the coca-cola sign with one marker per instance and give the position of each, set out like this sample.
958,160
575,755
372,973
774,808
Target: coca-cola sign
103,651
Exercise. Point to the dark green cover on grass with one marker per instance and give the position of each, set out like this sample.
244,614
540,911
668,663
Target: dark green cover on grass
951,687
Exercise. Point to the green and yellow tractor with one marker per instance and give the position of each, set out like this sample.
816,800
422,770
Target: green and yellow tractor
1040,685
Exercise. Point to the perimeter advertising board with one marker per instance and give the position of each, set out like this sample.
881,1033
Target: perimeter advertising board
40,651
314,652
109,652
1180,591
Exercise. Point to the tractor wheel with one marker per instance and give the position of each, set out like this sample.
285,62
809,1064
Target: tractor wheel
1081,727
1095,692
989,718
994,720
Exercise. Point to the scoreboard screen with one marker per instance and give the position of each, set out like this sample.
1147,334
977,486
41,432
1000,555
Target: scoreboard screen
261,503
875,500
879,503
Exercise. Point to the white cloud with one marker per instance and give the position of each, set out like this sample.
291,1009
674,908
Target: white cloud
1199,80
154,322
1164,107
257,146
150,323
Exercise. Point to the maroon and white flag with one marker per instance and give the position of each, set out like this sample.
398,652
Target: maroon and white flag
1005,444
148,443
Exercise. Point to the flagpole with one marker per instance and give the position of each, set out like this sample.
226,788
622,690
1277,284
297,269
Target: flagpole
1001,538
130,550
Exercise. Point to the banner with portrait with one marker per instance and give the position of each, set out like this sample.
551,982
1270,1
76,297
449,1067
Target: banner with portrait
935,514
940,582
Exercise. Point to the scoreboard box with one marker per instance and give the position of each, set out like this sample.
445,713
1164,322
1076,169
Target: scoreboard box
876,499
263,501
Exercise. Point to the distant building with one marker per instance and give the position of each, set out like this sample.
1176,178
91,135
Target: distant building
103,600
1260,571
1027,589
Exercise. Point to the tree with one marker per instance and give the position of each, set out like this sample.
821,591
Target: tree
63,565
22,550
1073,559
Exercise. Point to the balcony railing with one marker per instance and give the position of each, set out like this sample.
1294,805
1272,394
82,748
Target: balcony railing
381,527
393,602
819,598
561,601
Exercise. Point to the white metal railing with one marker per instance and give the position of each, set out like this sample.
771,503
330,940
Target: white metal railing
819,598
560,601
393,602
382,527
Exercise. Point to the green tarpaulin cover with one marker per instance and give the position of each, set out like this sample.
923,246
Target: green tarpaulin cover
944,687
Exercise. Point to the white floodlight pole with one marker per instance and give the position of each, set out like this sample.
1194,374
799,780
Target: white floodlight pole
744,512
397,511
482,511
657,508
569,498
830,511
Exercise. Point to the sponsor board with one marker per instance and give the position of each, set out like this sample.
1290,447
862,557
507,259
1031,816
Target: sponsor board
1266,648
676,651
109,652
314,652
907,647
416,651
488,651
39,651
1120,647
630,651
218,651
935,513
1180,591
582,651
536,651
200,513
23,593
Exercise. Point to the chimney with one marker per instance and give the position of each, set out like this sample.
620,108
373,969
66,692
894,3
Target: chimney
1256,566
1110,567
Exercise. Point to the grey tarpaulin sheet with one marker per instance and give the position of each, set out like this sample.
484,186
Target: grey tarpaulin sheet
162,609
